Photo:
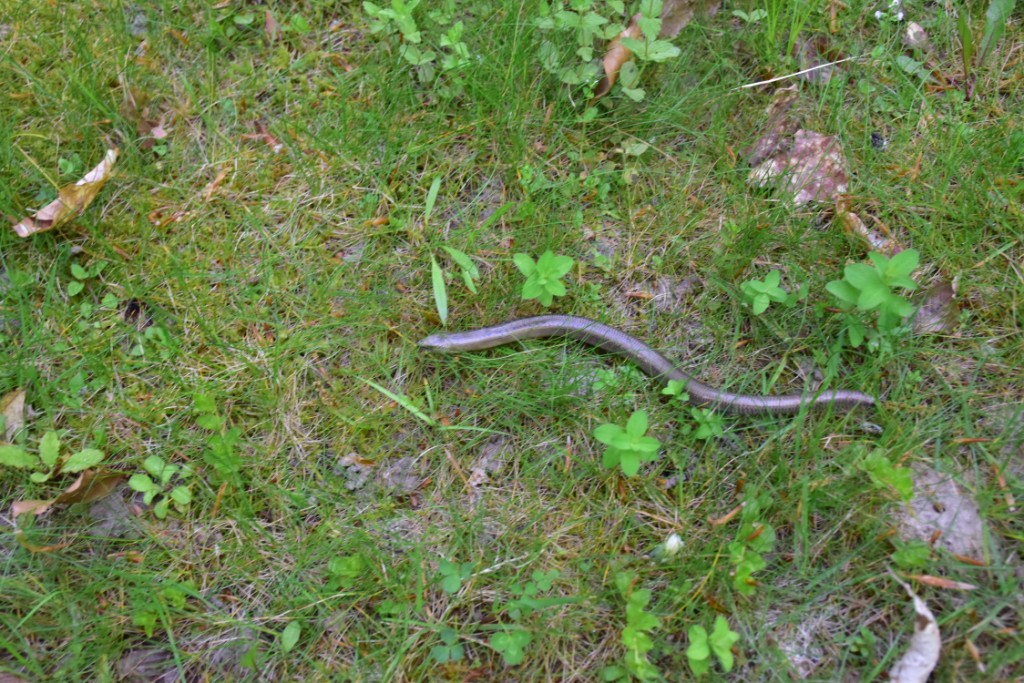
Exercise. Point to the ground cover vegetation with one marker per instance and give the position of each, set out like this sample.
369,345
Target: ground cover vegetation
223,456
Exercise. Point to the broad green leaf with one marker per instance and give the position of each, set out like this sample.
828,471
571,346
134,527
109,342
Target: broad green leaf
82,460
902,264
525,264
440,290
49,448
606,433
181,495
204,403
630,463
210,421
39,477
290,636
646,444
79,272
160,509
13,456
610,458
863,276
142,483
555,287
872,297
698,648
532,289
75,286
155,465
637,424
996,18
844,291
428,207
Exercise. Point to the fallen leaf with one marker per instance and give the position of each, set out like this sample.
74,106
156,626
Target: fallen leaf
617,55
89,486
940,310
852,224
812,170
12,408
71,199
675,14
212,186
264,135
270,25
917,663
940,582
33,548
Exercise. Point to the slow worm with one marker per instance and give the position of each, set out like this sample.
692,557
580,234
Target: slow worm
650,361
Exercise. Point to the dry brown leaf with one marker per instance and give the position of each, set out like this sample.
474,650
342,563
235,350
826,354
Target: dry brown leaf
33,548
940,582
851,223
675,14
617,55
71,199
940,310
270,25
212,186
812,170
89,486
916,38
264,135
918,661
12,408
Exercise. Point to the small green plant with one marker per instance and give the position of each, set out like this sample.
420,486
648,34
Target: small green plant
636,636
453,575
677,388
761,293
703,644
70,166
288,638
450,650
872,288
157,482
220,446
753,539
583,25
47,461
397,18
709,423
81,275
887,476
913,554
345,571
627,447
511,642
543,276
751,18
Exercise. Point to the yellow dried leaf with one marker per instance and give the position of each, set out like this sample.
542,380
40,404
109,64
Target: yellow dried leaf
12,407
89,486
71,199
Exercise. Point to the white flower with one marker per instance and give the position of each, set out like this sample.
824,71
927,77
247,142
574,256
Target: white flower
878,14
673,544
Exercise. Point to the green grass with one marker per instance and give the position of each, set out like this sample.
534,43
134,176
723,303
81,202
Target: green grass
284,296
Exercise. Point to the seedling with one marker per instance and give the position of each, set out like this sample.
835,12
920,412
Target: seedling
627,447
47,462
761,293
543,276
453,575
753,539
82,274
158,483
887,476
636,636
451,649
709,423
512,644
702,645
872,288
